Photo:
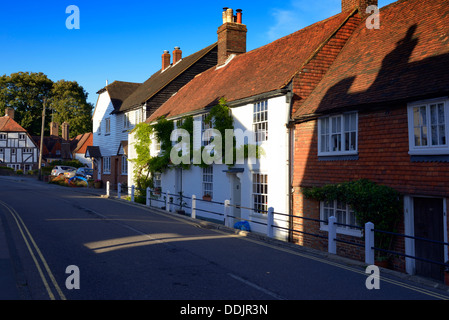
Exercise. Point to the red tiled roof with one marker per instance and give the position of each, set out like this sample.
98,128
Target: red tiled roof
7,124
406,59
80,143
258,71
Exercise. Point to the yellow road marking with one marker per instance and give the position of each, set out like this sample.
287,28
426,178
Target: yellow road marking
21,225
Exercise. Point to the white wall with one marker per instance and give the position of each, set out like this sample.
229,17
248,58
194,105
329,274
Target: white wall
274,163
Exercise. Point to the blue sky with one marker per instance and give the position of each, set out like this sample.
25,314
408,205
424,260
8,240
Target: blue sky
124,40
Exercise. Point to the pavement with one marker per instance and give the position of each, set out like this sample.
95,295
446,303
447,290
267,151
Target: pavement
13,282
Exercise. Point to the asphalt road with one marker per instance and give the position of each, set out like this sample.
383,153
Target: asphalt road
122,251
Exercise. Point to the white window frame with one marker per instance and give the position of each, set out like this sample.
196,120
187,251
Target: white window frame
349,218
208,181
27,150
124,164
107,126
157,180
337,126
138,116
260,121
22,136
260,193
126,122
3,136
206,135
428,149
106,164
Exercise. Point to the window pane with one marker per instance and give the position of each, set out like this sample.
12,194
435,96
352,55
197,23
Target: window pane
442,135
440,113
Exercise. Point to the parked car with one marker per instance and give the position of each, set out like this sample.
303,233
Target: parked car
85,172
70,173
57,170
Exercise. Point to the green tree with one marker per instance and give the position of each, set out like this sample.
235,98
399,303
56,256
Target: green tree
66,101
25,92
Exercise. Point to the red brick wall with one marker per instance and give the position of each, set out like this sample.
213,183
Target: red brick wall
115,176
383,158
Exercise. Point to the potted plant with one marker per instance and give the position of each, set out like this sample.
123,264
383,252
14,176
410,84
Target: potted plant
157,190
98,183
207,197
90,183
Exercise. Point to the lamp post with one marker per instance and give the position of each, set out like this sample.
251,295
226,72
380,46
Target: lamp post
42,140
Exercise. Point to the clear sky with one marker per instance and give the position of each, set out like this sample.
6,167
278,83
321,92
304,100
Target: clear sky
124,40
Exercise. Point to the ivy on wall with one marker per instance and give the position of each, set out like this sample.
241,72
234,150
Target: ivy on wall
219,118
371,202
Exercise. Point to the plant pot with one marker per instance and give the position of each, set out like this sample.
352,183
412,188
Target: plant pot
207,198
97,185
382,263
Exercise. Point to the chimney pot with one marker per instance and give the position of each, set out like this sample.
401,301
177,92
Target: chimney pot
239,16
229,15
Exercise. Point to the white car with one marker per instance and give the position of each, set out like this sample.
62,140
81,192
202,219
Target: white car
57,170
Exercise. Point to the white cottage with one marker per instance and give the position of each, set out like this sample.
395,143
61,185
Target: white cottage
122,105
110,129
17,148
258,88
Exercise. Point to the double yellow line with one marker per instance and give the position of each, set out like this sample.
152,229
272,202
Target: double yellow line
37,256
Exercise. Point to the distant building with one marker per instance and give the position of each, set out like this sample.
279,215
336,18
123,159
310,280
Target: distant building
17,148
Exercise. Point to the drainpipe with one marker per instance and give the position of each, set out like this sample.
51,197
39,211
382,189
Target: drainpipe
290,128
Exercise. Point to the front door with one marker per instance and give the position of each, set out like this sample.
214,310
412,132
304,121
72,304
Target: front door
236,199
428,220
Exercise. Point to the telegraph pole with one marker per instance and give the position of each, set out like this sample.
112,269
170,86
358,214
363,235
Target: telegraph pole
42,140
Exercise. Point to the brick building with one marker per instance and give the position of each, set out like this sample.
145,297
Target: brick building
379,111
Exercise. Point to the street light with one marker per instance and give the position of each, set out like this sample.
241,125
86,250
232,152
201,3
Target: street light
42,140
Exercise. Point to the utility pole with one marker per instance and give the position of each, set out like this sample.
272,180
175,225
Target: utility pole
42,140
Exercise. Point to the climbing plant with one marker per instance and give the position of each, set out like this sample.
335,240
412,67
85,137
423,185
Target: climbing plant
371,202
219,118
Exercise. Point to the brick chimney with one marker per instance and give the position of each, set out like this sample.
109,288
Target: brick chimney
231,35
177,55
347,5
54,129
65,131
165,60
9,112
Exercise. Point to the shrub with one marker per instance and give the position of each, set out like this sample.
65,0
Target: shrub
379,204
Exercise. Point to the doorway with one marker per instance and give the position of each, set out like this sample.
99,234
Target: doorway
236,198
428,224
